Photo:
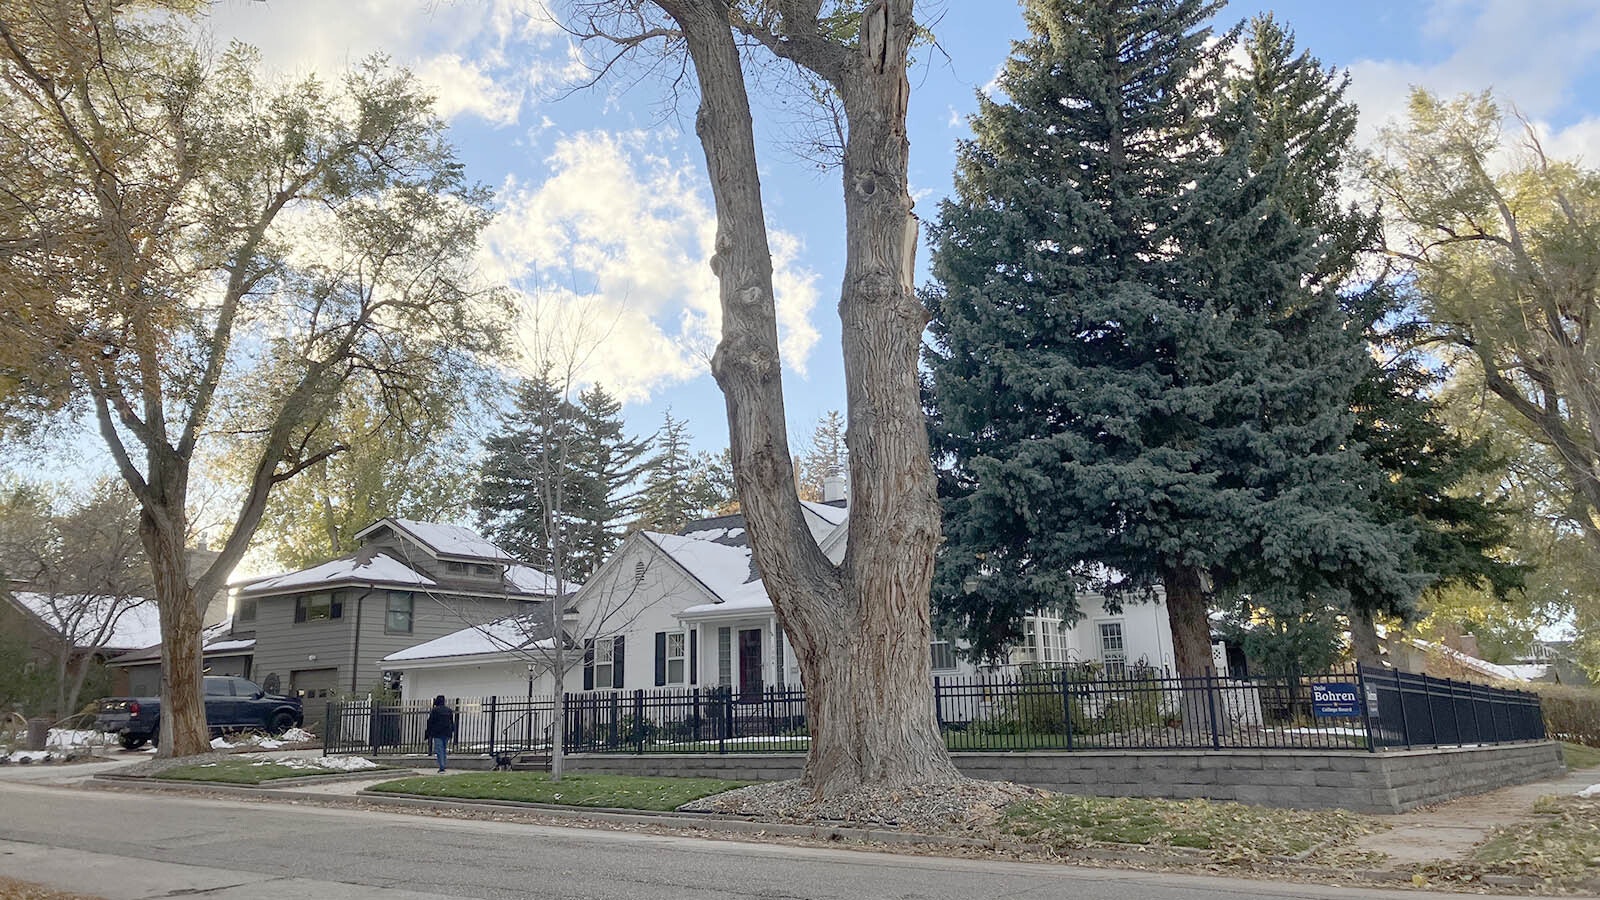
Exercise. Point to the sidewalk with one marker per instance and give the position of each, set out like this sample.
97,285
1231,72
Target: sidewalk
1451,829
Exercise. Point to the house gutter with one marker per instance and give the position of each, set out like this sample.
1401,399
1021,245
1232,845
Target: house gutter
355,649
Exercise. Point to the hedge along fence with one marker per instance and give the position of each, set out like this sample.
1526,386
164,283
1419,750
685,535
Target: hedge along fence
1571,713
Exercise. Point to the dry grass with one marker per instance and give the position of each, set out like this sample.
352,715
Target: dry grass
12,889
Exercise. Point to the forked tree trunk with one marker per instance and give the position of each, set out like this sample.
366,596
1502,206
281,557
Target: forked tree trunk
860,631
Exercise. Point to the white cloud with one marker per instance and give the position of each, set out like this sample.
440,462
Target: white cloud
624,235
1530,54
474,54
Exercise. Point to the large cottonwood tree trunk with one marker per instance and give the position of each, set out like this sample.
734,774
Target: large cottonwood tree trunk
860,630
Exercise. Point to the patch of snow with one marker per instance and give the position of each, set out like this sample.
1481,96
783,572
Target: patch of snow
30,756
529,580
725,571
375,567
453,540
297,735
1590,791
320,764
220,743
118,623
220,646
510,633
1342,729
68,738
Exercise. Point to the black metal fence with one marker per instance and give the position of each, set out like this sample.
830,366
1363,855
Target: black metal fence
1048,709
485,726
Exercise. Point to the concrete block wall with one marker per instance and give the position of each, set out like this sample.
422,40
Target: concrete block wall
1386,782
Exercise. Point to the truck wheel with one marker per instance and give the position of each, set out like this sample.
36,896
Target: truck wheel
281,722
131,741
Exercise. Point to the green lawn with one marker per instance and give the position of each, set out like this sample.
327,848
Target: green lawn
1230,830
243,771
1580,757
613,791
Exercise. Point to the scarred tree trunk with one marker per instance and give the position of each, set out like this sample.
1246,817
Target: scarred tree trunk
860,631
1190,617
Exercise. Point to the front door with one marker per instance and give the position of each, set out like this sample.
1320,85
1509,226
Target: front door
749,661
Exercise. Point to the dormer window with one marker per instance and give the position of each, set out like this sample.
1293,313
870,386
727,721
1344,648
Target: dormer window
456,567
481,569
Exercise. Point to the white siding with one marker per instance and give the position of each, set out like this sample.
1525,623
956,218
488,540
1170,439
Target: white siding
489,679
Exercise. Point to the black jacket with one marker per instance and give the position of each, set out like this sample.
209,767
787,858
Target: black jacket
441,723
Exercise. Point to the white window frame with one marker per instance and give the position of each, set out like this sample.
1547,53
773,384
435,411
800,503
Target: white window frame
1113,658
680,658
942,651
605,655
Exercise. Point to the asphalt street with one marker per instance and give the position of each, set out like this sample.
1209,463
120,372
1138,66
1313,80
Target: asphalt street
124,846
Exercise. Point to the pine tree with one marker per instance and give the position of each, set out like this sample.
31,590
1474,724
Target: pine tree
1135,384
825,455
531,467
670,496
607,463
1304,124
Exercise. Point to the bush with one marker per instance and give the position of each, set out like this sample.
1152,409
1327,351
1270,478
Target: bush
1035,708
1570,713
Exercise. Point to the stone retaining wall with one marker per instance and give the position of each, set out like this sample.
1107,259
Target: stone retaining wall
1386,782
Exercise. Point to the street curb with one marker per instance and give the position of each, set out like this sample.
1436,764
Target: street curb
1165,856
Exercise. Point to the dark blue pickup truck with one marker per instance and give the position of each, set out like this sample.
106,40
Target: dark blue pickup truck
232,704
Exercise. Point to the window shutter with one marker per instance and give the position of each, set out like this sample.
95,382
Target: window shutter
661,658
588,664
694,656
616,664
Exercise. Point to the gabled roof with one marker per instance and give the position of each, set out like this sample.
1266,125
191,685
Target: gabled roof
452,542
367,566
134,622
726,571
506,635
214,640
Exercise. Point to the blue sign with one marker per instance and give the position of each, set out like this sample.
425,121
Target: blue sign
1329,699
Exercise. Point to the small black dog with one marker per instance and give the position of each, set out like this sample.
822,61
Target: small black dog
502,762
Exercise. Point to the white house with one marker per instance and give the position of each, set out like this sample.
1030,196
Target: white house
689,610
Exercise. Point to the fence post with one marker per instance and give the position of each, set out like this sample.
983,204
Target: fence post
1433,720
726,730
694,715
638,719
1211,704
1366,714
327,729
1400,700
938,702
1455,711
1066,705
492,724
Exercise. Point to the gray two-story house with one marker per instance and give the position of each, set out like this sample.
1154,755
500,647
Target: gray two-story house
321,631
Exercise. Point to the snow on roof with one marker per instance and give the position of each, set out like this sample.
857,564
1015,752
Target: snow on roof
363,566
227,646
510,633
532,581
725,571
452,540
833,515
1493,670
135,622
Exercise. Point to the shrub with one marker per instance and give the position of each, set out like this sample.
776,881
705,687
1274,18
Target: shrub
1570,713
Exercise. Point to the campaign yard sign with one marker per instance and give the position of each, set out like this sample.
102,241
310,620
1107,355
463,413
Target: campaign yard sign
1329,699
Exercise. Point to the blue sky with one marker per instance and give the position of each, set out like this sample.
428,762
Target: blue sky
606,219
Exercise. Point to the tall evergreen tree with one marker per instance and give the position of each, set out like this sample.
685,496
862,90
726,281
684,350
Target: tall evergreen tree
675,490
530,468
1304,125
824,456
1134,384
607,464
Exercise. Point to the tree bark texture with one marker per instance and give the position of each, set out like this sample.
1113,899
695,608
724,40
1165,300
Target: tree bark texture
1189,615
1364,639
861,630
183,709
